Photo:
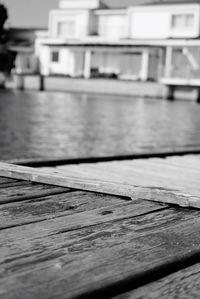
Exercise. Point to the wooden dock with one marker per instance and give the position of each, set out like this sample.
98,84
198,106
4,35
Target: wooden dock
103,230
183,83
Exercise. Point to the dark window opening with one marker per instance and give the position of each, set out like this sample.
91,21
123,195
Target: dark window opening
55,56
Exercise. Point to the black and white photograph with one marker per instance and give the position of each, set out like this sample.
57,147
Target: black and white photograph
100,149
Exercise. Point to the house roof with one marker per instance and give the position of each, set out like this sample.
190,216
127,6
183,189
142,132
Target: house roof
172,2
75,4
124,3
128,3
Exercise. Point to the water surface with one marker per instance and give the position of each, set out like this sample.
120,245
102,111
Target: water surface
63,125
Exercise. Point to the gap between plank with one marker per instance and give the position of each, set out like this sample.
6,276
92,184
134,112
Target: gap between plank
70,161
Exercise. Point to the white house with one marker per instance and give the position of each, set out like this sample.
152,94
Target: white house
162,21
112,23
87,38
75,20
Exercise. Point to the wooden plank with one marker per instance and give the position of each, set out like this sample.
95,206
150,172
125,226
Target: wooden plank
18,241
14,184
182,165
26,191
162,175
147,173
92,216
178,162
157,167
49,261
48,207
6,181
143,173
181,284
186,161
156,192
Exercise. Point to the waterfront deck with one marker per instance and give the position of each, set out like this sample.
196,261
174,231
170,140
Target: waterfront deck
79,242
184,83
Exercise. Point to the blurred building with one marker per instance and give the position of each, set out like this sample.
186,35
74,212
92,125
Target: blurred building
21,42
155,40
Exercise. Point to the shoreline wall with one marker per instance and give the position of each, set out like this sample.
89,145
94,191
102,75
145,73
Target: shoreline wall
102,86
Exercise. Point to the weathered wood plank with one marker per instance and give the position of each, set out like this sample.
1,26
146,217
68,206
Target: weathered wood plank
6,180
187,162
122,187
104,257
149,170
171,172
14,184
147,173
63,204
181,284
133,174
27,190
78,220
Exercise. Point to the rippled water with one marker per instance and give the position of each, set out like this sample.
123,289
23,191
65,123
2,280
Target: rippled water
54,125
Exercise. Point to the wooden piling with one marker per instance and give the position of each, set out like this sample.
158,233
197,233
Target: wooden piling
170,94
20,81
198,95
41,83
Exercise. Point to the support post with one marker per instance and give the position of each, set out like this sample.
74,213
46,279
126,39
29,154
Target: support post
20,82
168,62
41,82
170,94
87,64
144,73
2,82
198,95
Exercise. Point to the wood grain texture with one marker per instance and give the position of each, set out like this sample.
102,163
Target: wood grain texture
53,206
80,254
147,173
117,178
183,284
27,190
60,244
6,181
14,184
96,216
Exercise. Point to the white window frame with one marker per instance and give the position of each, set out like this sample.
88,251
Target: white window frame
185,17
68,34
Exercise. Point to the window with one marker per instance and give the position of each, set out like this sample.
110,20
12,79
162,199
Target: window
55,56
66,28
182,21
113,26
